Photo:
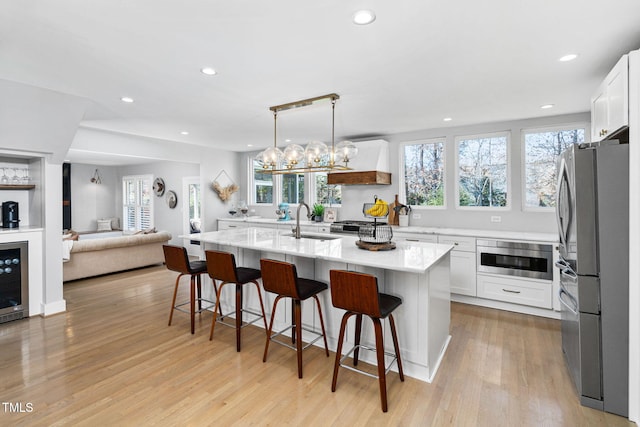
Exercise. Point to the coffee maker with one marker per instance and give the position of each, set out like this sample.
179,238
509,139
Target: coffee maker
10,215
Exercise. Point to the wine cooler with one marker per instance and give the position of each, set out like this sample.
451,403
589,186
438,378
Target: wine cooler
14,282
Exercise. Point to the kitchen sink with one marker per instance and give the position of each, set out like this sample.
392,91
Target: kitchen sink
312,236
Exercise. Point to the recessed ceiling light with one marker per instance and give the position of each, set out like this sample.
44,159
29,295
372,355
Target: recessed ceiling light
546,106
287,140
249,145
184,132
569,57
126,99
208,71
447,119
364,17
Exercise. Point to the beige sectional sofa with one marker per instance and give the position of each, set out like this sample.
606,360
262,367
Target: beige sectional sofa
93,257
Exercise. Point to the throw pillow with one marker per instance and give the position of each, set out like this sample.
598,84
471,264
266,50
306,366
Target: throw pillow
115,223
104,225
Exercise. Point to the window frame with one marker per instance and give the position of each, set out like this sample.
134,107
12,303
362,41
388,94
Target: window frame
311,185
402,192
251,196
457,140
523,156
139,179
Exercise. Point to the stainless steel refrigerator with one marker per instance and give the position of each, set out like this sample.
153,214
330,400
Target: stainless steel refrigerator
593,225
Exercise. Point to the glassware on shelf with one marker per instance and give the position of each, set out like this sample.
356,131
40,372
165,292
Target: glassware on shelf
4,180
19,174
9,173
25,176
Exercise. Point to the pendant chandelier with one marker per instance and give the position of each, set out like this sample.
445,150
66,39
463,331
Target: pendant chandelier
316,157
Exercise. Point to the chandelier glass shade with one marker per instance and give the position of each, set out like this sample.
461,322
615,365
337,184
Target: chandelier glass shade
316,156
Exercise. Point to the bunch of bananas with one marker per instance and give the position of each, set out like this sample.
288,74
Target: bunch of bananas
380,208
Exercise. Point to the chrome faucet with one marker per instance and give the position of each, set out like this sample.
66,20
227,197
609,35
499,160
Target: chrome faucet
296,231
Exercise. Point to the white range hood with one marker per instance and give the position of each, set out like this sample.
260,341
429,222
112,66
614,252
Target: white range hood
370,166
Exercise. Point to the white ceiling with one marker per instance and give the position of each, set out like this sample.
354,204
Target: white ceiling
420,61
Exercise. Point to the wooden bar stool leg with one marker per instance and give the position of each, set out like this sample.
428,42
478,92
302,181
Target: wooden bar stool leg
336,366
324,335
199,286
392,323
238,315
193,303
356,352
216,308
298,320
264,316
273,315
173,301
377,326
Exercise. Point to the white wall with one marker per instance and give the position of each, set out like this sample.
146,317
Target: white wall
40,124
512,219
89,201
172,173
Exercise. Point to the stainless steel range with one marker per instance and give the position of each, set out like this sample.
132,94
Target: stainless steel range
351,226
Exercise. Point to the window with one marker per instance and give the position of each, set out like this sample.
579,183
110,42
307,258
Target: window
483,173
262,185
423,165
292,188
541,150
137,202
325,194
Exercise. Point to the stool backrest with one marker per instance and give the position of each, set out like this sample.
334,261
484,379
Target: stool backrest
221,266
353,291
176,258
279,277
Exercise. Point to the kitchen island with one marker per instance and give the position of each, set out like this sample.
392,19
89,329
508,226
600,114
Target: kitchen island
415,271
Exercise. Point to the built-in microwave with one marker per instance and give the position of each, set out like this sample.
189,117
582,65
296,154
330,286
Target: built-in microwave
522,259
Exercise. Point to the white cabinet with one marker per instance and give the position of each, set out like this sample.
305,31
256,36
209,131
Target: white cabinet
463,264
226,225
610,103
408,237
536,293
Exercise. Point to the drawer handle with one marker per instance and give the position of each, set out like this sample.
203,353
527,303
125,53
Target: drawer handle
456,243
510,291
412,240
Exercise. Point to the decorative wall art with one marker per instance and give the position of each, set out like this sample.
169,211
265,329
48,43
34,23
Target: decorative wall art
158,187
224,186
172,199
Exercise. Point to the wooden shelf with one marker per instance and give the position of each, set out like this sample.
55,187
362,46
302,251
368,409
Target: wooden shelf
17,186
359,178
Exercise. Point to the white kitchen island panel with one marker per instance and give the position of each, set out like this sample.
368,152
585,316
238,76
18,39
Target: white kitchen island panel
417,272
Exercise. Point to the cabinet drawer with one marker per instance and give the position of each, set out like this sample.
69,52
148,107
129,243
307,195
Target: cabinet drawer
461,243
518,291
429,238
226,225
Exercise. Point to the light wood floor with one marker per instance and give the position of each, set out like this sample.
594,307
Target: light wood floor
111,359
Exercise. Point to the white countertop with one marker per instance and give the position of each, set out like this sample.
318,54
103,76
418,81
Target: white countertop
489,234
412,257
22,229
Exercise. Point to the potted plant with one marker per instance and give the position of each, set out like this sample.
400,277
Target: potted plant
318,212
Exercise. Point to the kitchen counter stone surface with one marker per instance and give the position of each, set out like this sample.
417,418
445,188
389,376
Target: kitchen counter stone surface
488,234
412,257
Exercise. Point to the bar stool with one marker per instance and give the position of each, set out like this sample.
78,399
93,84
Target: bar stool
281,278
177,259
222,266
358,294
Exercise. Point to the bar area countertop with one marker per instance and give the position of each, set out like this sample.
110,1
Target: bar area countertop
417,272
412,257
